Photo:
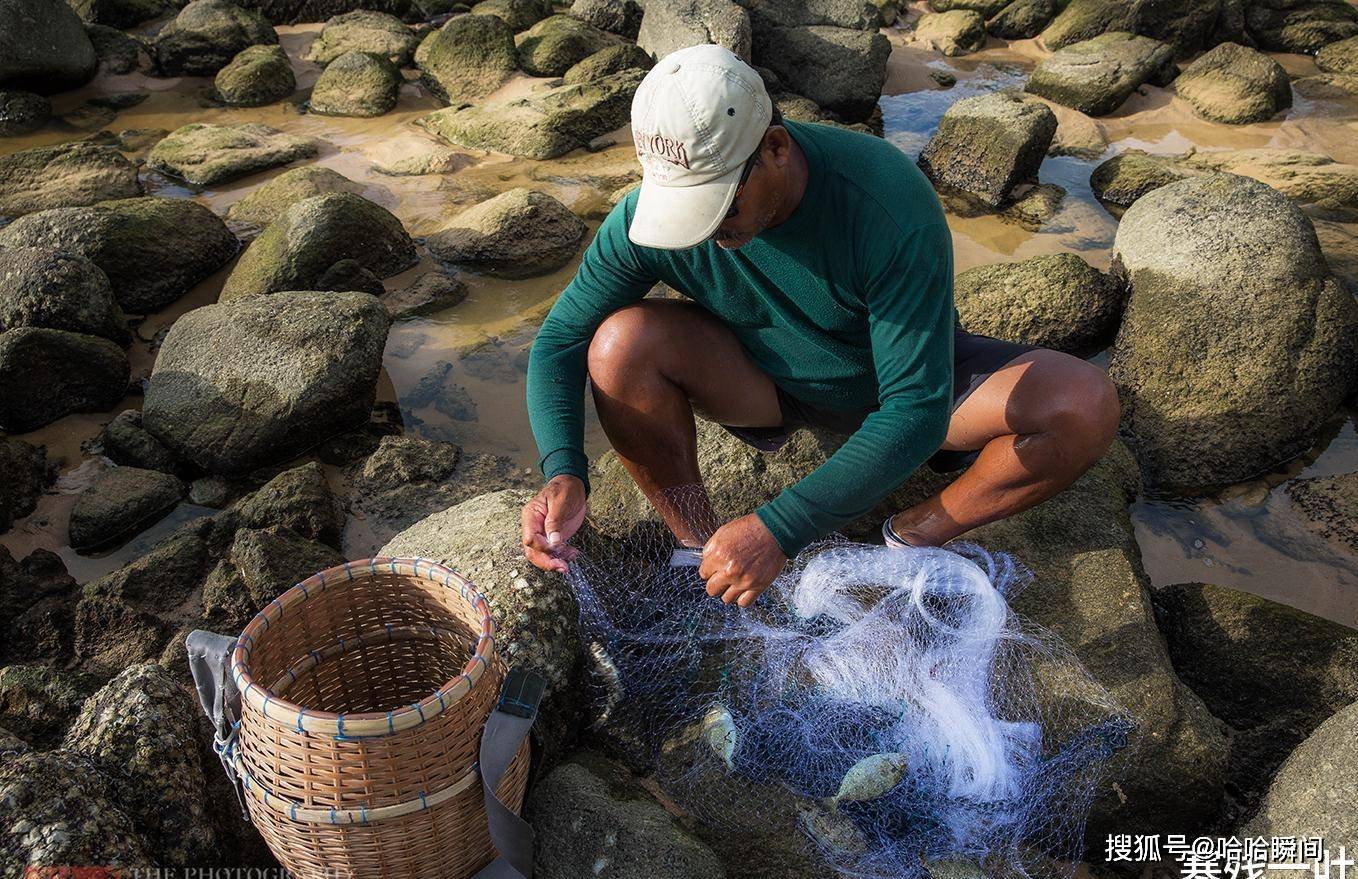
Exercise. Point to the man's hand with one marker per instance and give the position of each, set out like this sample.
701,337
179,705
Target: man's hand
552,518
740,561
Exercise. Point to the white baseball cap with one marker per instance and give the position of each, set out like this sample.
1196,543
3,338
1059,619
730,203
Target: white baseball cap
699,114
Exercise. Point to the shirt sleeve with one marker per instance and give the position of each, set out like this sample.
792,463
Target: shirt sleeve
909,300
611,274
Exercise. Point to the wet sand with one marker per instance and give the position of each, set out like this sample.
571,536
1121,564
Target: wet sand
1247,537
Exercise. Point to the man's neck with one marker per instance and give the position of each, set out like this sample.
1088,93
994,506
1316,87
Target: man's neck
798,175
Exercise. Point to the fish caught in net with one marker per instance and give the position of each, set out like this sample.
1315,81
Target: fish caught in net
885,706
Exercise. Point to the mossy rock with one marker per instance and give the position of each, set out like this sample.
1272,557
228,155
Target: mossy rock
257,76
356,84
468,58
555,44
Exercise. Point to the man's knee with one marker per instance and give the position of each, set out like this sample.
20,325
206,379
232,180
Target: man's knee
1087,410
623,344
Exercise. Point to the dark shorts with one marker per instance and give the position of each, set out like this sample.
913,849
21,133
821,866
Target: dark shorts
975,359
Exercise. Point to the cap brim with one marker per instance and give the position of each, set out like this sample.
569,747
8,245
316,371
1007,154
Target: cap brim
677,217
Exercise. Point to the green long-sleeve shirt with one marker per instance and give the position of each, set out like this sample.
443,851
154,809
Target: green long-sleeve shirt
846,304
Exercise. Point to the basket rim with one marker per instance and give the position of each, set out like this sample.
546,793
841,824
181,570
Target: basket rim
260,699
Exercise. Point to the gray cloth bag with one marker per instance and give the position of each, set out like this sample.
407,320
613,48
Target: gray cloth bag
505,730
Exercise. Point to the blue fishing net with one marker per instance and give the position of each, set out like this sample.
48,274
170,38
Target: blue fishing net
884,706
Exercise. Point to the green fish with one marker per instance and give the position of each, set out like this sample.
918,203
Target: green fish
871,777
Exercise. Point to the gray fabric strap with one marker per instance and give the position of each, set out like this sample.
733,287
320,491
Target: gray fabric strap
505,730
209,658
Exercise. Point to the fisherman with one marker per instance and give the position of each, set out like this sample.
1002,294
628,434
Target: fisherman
818,268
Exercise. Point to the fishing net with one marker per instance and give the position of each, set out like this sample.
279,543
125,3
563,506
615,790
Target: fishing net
883,706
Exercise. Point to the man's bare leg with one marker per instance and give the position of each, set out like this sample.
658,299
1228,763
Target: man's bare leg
1040,421
651,365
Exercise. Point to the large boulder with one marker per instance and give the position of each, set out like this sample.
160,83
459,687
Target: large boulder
1185,26
22,113
1235,84
408,478
259,566
59,807
468,58
1129,175
142,728
517,234
267,203
62,176
301,247
45,374
857,14
955,32
206,154
1226,274
535,611
365,31
555,44
841,69
1314,791
299,500
206,35
544,125
1272,672
258,75
1299,25
120,52
1329,507
1057,301
38,593
356,84
1022,19
520,15
238,385
152,249
38,702
621,17
589,812
1089,588
120,13
988,144
43,47
45,287
126,443
1340,57
1096,76
670,25
606,62
121,502
294,11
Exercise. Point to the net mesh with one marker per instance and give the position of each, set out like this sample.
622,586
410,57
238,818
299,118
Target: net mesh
884,706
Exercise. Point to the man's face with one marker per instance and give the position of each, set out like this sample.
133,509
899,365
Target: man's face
758,201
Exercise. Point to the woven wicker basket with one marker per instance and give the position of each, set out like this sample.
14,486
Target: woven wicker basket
364,690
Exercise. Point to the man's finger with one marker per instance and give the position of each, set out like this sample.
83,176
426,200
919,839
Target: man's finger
545,560
717,584
747,598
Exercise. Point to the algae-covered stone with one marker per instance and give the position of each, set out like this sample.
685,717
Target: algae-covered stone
152,249
518,14
1272,672
142,728
312,236
43,47
544,125
66,175
119,52
356,84
988,144
124,441
1339,57
1127,176
841,69
1057,301
1095,76
299,500
45,374
1022,19
670,25
121,502
269,201
365,31
241,384
1300,25
1329,506
535,611
208,154
120,13
45,287
1235,84
260,565
206,35
429,293
468,58
294,11
22,113
589,810
517,234
553,45
258,75
1227,273
958,32
23,467
58,807
606,62
986,8
1186,26
37,702
621,17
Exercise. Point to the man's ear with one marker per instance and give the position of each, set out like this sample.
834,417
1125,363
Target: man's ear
778,142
